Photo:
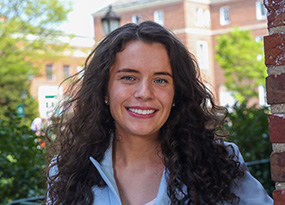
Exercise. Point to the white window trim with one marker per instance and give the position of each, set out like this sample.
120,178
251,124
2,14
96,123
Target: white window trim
199,17
80,71
262,96
223,20
259,38
203,61
134,18
207,18
158,16
259,15
226,97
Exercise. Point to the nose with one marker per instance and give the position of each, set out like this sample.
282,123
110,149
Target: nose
144,91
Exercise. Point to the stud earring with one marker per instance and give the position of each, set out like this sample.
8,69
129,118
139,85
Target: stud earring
173,105
106,102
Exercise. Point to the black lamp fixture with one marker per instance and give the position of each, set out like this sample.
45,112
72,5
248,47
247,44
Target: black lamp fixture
110,21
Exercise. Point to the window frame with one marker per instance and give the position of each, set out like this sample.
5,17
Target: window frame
199,17
136,18
202,54
202,17
158,17
49,72
225,16
66,74
259,8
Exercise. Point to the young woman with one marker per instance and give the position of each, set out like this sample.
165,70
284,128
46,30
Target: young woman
141,128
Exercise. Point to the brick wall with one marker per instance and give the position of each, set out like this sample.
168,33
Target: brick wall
274,47
58,76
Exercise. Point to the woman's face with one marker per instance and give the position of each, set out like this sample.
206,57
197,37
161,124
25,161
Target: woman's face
140,89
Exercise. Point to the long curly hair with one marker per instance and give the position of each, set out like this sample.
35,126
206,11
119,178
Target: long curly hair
191,139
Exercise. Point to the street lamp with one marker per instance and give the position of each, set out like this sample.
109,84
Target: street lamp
110,21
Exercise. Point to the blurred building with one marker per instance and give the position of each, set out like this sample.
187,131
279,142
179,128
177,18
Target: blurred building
196,23
46,87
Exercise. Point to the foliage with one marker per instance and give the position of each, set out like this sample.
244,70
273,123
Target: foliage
22,161
248,128
237,53
27,36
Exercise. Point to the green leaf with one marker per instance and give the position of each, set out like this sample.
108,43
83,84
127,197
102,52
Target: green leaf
236,53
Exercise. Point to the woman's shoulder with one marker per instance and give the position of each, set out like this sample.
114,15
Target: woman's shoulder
231,147
233,151
249,189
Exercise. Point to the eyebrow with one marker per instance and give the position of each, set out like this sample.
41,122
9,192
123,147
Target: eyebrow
163,73
128,70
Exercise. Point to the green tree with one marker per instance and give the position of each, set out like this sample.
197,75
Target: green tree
248,128
27,36
242,59
22,162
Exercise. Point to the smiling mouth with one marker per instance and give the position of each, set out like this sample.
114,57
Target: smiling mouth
142,112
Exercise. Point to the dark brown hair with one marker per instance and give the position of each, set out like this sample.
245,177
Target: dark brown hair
191,153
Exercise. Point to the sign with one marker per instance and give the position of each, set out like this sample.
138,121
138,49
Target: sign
20,111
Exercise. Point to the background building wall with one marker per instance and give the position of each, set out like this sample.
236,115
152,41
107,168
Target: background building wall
183,18
48,91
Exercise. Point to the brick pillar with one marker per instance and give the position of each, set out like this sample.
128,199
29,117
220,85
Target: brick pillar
274,47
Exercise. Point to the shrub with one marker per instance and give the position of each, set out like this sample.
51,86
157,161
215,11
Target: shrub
22,161
248,128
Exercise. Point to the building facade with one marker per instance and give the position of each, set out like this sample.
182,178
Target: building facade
46,87
196,23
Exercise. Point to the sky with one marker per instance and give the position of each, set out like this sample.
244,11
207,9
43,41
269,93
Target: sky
80,22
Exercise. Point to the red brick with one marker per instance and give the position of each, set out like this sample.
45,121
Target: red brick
275,12
274,49
279,197
278,166
275,87
277,128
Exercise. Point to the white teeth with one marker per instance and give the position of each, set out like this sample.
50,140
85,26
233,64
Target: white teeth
141,112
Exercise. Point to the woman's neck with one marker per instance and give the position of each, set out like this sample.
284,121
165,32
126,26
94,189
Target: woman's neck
136,151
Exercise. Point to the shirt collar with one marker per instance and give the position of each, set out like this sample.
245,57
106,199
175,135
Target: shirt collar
105,168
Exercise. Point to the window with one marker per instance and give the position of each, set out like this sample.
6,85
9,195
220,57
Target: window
224,15
260,10
202,54
199,17
80,71
262,95
206,18
259,38
66,72
202,18
136,19
49,72
158,17
226,97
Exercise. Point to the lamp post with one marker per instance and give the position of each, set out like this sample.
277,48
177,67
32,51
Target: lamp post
110,21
